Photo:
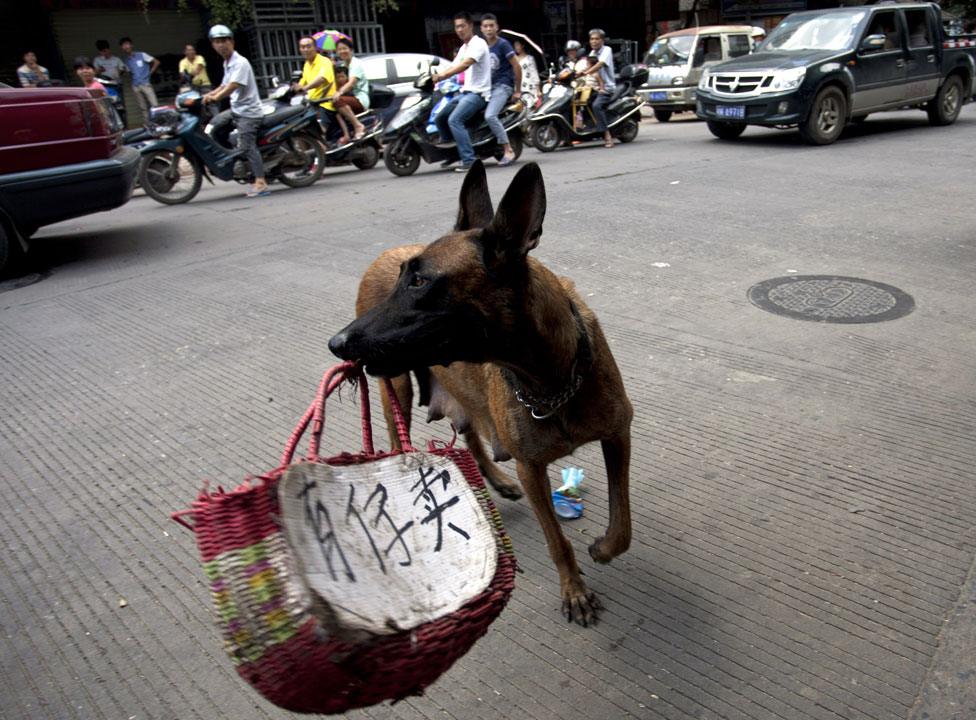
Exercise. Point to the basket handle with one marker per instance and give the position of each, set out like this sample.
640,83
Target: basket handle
315,414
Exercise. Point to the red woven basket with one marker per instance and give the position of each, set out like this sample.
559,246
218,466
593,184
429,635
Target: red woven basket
276,644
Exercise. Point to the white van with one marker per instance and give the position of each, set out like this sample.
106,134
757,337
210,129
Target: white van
676,60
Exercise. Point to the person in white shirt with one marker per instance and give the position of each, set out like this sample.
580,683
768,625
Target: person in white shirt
473,60
245,103
603,66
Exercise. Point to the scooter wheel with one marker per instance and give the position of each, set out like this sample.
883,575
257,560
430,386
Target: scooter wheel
169,178
402,158
304,161
627,131
547,136
367,158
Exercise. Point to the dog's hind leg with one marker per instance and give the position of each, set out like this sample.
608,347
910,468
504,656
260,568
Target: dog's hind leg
579,603
403,388
505,486
616,456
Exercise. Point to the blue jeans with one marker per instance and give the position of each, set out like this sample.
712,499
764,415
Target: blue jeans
600,110
496,103
450,123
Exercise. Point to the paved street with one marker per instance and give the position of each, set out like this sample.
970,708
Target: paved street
803,493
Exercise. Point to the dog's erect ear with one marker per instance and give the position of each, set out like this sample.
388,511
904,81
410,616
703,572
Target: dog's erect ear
517,225
475,210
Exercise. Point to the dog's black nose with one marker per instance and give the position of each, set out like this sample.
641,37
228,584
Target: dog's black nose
338,343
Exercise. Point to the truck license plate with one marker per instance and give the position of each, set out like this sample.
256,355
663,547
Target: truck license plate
659,96
733,112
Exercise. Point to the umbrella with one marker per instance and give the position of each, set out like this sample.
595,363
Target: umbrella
531,48
325,40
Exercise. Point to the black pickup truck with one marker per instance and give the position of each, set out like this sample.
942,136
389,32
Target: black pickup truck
820,70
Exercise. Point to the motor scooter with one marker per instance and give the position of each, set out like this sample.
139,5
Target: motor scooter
174,164
407,139
113,88
557,120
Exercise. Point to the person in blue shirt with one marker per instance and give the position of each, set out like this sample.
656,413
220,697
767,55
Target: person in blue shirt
506,82
140,66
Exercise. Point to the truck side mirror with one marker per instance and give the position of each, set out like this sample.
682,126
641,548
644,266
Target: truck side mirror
873,42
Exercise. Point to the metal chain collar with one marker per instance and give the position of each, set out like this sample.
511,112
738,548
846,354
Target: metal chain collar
553,402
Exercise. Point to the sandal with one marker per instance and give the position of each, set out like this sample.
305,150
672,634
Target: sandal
608,143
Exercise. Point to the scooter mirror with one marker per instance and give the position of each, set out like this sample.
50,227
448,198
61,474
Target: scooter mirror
435,62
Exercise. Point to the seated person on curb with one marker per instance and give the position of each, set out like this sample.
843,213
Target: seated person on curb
352,92
318,79
245,103
473,60
506,82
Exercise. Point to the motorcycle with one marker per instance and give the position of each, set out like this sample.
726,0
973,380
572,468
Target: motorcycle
363,152
557,120
174,164
407,139
113,88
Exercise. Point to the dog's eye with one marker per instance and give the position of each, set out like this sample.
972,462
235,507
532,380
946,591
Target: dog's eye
418,281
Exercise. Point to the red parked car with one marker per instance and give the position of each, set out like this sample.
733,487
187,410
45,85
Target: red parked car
61,156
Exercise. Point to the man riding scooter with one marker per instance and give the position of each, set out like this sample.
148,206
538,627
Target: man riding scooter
473,59
603,66
318,79
245,103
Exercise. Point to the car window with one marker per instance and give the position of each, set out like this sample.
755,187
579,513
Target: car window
919,33
375,68
738,45
885,23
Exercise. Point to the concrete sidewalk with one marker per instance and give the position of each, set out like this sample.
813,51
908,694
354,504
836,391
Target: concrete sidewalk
804,498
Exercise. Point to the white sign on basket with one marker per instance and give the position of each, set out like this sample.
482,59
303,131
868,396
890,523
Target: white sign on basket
387,545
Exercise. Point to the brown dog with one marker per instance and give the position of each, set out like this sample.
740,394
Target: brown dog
508,351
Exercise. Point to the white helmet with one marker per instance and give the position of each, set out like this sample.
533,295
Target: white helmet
573,45
220,31
758,32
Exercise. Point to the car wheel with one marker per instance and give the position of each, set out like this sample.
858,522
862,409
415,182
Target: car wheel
402,158
546,136
827,118
367,157
170,178
944,108
304,161
12,257
725,130
627,131
662,115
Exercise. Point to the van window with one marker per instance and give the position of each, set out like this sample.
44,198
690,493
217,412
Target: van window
738,45
919,35
709,49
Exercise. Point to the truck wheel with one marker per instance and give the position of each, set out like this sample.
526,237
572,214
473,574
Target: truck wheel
402,158
827,118
662,115
627,131
944,108
725,130
546,136
169,178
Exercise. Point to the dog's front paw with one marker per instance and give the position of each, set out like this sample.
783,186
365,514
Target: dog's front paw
581,605
603,550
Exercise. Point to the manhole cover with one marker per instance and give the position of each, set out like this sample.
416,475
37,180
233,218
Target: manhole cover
830,298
